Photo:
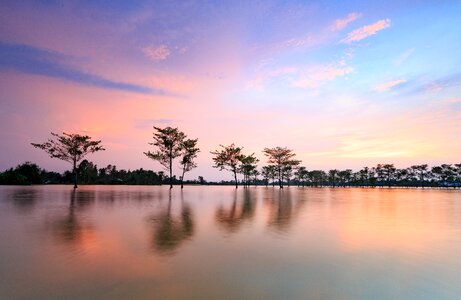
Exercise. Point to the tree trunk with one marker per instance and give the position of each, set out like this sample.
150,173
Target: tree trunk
235,177
74,170
280,179
171,170
182,178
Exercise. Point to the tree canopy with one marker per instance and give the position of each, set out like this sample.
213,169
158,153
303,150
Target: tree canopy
189,153
228,158
169,144
282,159
71,148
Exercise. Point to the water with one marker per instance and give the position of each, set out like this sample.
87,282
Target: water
138,242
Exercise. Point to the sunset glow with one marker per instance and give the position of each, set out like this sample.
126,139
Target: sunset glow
343,85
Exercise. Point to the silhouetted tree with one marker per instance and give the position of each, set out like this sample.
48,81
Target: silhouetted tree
88,172
301,174
189,153
269,172
169,142
247,167
421,172
255,173
287,172
31,171
71,148
457,169
280,158
228,158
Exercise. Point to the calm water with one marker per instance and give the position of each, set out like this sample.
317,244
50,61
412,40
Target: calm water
132,242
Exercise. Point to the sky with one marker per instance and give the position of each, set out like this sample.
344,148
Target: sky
345,84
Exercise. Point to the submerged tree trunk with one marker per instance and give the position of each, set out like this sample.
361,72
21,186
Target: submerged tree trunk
235,177
280,179
171,170
182,178
74,170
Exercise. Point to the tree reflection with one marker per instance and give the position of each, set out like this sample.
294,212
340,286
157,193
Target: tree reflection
170,230
71,229
232,218
283,210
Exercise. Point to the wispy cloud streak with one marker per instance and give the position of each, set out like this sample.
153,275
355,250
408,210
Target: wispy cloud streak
366,31
340,24
389,85
38,61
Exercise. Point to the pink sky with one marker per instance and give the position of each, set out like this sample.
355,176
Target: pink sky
343,88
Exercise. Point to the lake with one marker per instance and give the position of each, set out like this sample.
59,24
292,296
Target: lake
215,242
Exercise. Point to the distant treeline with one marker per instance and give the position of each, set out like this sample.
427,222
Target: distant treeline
88,173
383,175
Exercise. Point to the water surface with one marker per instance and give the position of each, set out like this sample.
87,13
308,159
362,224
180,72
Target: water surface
145,242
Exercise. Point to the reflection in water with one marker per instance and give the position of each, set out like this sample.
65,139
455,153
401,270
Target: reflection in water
329,243
171,231
231,219
70,229
282,211
388,221
24,199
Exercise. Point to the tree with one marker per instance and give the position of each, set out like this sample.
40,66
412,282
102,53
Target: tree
247,167
301,175
71,148
31,171
332,176
389,171
457,169
345,177
364,176
189,153
280,158
317,177
421,172
88,172
269,172
228,158
445,173
255,173
169,143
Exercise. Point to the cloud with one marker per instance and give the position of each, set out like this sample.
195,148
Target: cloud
317,76
388,85
298,42
28,59
436,85
157,52
366,31
404,56
262,76
339,24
